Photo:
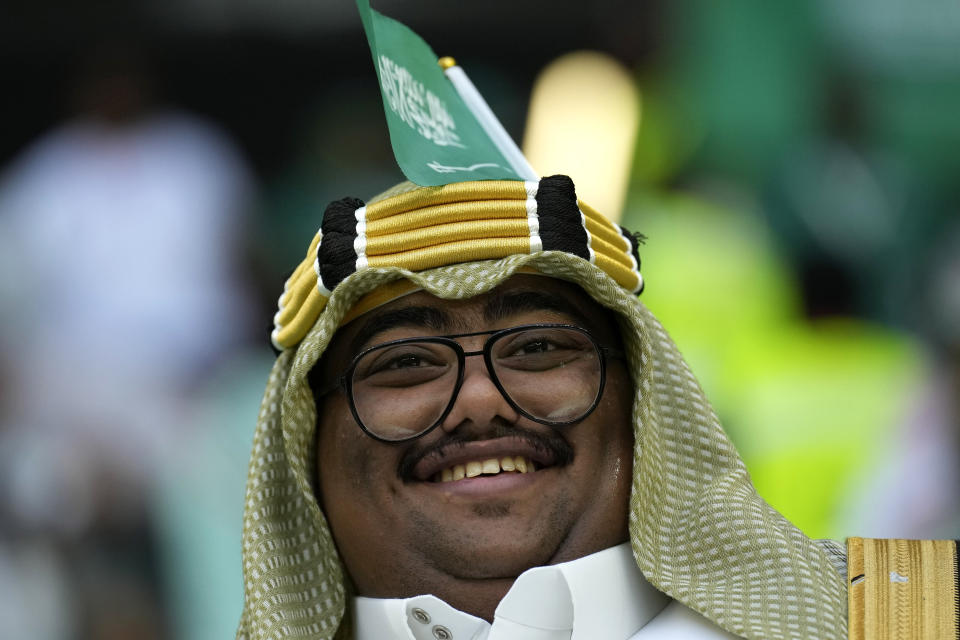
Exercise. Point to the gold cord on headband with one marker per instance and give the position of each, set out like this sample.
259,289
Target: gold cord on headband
438,226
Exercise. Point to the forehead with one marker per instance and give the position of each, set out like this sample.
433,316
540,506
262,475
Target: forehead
519,300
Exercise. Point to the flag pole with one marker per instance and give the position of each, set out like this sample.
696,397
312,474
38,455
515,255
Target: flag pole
485,116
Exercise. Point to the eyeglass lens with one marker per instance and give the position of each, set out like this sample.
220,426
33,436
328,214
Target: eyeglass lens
400,390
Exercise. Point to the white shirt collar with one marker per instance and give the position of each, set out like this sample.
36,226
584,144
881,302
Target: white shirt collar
602,595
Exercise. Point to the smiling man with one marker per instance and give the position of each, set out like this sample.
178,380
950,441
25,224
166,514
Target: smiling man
524,463
475,429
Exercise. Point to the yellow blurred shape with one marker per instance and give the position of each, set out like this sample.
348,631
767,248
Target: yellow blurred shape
583,121
811,405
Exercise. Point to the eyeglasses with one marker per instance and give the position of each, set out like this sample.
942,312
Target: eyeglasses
553,374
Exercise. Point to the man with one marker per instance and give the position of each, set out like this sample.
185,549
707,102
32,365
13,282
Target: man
437,337
488,492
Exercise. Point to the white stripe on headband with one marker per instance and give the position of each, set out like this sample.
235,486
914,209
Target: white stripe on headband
583,223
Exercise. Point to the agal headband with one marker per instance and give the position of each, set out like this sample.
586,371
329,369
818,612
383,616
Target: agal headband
437,226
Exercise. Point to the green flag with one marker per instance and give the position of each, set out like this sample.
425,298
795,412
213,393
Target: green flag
436,138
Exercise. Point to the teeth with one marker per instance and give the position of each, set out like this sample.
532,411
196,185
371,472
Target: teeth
474,469
490,466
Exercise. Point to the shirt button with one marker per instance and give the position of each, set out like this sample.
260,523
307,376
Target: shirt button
422,617
442,633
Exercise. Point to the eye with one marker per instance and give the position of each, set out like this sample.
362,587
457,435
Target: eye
543,349
534,345
398,358
404,364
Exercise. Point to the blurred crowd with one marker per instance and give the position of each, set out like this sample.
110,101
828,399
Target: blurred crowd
121,232
795,173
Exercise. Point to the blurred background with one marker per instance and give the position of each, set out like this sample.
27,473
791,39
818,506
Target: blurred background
163,166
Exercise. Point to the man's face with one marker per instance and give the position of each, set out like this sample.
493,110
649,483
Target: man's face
402,532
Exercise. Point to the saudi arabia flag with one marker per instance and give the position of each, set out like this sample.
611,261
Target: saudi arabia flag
439,134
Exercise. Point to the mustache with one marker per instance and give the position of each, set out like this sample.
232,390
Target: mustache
550,442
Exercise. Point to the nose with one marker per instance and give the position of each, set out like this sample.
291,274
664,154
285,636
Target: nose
479,401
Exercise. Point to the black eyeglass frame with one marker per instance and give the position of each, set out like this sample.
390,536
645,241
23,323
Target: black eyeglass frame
345,380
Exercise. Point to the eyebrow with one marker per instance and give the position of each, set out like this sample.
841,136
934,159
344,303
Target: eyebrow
420,316
500,307
526,300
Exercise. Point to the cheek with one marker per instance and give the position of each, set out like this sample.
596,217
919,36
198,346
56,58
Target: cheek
616,405
355,492
357,476
604,449
343,461
618,464
616,434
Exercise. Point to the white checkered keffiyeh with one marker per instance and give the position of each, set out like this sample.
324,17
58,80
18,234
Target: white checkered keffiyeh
699,531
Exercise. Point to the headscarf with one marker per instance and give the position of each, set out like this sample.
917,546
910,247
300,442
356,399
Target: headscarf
698,529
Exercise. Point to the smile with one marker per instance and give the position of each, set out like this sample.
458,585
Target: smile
501,458
488,467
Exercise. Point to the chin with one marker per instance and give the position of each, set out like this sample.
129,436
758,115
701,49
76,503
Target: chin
496,551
